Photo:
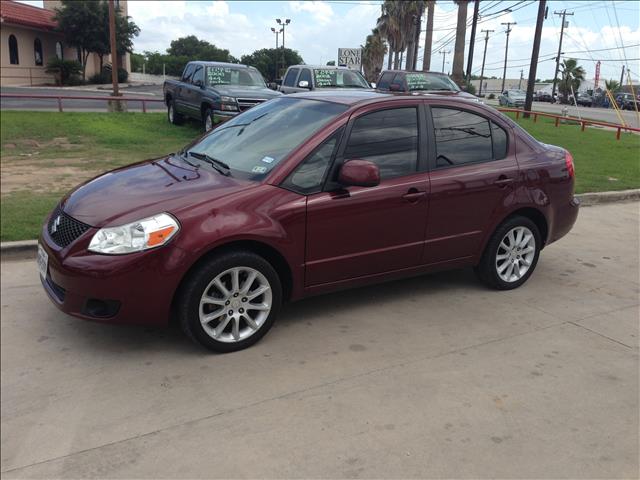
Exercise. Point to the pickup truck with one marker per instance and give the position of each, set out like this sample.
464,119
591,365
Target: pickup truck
302,78
213,92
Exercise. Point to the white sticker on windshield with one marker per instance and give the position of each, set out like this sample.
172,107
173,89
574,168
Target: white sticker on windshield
268,159
258,169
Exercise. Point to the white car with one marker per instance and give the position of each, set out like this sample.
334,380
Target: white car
512,98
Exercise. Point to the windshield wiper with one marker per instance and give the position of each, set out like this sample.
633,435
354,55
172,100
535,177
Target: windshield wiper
218,165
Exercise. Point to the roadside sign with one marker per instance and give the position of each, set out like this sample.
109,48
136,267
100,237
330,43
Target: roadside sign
350,58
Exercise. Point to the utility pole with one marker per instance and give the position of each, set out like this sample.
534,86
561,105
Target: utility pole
284,23
444,55
114,53
563,14
426,59
520,81
622,77
277,32
542,5
484,57
473,39
506,52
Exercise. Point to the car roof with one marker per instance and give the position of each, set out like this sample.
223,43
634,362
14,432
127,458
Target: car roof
415,71
355,97
323,67
220,64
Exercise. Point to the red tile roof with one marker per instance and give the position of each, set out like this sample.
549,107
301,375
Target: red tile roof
22,14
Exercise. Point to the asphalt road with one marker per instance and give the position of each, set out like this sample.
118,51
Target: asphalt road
429,377
150,92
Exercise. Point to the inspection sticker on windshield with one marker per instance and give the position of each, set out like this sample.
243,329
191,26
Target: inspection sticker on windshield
268,159
258,169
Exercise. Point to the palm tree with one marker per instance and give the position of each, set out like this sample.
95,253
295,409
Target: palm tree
572,76
457,70
388,28
426,59
612,85
412,15
396,25
373,53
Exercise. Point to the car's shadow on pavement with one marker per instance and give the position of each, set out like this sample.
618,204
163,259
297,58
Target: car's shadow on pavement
141,340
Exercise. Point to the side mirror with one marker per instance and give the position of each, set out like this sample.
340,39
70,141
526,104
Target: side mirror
464,88
395,87
303,84
198,83
359,173
373,84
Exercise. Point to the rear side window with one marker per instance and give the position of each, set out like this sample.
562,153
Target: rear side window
188,71
198,75
399,80
385,81
290,77
463,137
388,138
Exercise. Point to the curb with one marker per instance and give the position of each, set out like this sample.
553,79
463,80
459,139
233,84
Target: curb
27,248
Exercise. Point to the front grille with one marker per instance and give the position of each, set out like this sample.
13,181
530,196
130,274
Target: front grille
247,103
64,229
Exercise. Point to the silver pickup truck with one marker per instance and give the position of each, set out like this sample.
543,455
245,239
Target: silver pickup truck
213,92
302,78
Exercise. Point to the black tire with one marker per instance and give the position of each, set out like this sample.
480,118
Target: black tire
173,116
208,114
487,271
193,287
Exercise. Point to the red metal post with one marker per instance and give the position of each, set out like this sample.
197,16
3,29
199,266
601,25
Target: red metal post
557,121
582,124
144,106
535,118
60,104
517,114
618,134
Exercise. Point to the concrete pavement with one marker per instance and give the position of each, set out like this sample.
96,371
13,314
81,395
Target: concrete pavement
428,377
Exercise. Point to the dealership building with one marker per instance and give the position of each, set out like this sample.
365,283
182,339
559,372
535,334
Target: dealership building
29,41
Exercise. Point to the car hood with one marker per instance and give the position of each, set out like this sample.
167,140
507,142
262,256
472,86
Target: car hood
144,189
243,91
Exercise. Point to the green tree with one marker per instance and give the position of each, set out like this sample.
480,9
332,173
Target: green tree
332,63
195,49
85,25
571,78
265,61
612,85
63,69
373,53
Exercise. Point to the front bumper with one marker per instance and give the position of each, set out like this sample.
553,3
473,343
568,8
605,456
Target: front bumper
221,116
137,288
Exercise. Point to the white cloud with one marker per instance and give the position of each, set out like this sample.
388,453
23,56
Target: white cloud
321,11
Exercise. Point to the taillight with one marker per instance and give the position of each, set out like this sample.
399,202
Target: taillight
569,161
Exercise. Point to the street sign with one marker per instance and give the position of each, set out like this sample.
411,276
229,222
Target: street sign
350,58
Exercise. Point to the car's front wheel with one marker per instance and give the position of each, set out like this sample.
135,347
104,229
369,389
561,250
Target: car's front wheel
230,302
172,115
208,122
511,255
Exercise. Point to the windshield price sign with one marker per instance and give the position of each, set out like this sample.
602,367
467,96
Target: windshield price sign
350,58
218,75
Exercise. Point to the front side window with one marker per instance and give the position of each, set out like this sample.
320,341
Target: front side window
188,72
463,137
234,76
37,51
290,78
338,78
198,75
305,75
308,177
388,138
13,50
257,140
385,81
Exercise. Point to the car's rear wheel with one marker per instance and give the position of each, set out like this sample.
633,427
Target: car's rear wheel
172,115
511,255
230,302
208,120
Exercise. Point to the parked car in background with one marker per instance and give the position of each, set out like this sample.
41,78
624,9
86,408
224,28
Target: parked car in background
301,195
304,78
584,99
402,81
544,97
626,101
213,92
512,98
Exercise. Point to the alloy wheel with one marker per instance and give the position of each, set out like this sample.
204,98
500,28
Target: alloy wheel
170,112
235,304
515,254
208,123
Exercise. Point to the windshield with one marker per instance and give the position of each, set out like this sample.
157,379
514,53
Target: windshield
254,142
426,81
517,93
234,76
335,78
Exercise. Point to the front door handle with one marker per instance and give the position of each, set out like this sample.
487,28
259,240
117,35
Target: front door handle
413,195
503,181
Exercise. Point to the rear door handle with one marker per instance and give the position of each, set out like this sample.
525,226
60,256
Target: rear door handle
413,195
503,181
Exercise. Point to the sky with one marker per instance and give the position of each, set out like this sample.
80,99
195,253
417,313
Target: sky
596,31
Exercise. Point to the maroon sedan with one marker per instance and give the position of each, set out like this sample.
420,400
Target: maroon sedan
303,195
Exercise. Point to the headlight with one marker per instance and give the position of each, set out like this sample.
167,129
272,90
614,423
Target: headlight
144,234
228,103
